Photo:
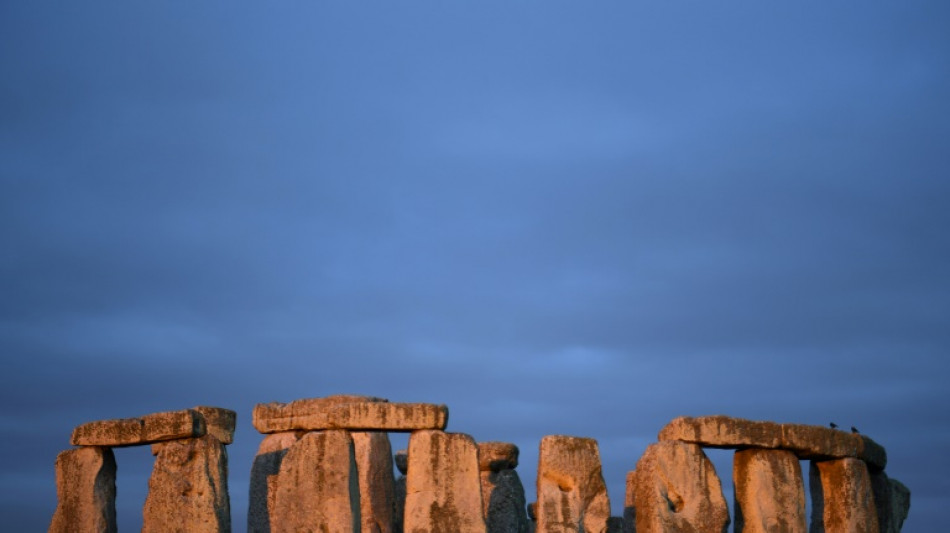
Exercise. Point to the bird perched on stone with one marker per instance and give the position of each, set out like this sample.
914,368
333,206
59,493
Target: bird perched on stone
833,425
854,430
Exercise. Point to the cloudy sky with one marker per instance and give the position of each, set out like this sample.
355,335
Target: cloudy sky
555,217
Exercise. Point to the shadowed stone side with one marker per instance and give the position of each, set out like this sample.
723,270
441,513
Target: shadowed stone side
841,497
374,464
264,472
85,489
770,492
443,490
402,464
676,489
503,501
188,489
317,488
219,422
892,501
572,495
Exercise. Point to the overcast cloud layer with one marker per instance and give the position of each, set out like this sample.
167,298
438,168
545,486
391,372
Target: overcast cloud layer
556,218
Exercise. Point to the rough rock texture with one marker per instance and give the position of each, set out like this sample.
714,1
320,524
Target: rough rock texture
307,414
841,497
892,501
572,495
808,442
629,512
155,427
443,490
676,489
503,501
770,492
402,461
497,456
374,464
388,416
219,422
317,488
188,489
264,472
85,487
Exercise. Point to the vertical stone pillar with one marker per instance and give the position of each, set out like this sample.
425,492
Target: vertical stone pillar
263,480
892,500
443,490
841,497
770,492
317,488
402,464
503,501
572,495
85,488
676,489
374,464
629,511
188,489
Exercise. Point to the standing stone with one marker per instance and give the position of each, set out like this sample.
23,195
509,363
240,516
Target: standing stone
676,489
374,464
402,464
188,489
263,482
770,492
503,501
85,487
572,495
443,490
317,488
892,500
629,512
841,497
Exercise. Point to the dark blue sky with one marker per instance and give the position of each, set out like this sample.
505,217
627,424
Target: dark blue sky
556,218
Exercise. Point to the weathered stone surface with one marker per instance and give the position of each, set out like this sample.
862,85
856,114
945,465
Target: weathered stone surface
533,511
503,501
388,416
892,501
349,412
572,495
219,422
443,490
307,414
402,461
374,464
156,427
85,487
188,489
808,442
629,511
841,497
497,456
676,489
317,488
264,473
770,492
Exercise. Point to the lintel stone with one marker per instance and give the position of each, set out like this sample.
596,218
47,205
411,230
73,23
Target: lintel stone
155,427
807,442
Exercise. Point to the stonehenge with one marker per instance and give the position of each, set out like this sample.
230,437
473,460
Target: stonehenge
327,464
188,489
